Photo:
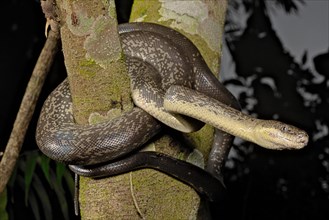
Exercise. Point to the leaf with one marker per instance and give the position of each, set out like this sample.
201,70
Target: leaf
290,6
304,57
60,170
32,201
11,183
60,193
13,177
43,197
31,160
69,181
3,204
45,166
235,82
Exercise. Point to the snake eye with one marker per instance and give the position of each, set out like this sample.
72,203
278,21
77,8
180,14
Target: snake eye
285,129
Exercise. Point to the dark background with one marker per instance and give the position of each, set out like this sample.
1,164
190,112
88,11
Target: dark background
261,184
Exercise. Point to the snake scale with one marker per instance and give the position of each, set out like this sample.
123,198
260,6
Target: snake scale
168,76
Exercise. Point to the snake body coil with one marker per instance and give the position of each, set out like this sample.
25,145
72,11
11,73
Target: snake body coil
157,58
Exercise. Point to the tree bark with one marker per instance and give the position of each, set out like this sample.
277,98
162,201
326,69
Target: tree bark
100,84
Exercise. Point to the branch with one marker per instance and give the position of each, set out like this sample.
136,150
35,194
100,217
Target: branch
27,107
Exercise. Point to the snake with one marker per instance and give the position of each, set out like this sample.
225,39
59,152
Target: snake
172,87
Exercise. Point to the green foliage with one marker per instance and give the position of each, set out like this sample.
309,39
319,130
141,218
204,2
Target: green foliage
3,204
43,182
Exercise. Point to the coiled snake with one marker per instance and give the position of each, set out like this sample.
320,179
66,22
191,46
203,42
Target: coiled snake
168,75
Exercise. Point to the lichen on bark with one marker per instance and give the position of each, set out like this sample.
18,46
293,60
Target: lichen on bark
98,82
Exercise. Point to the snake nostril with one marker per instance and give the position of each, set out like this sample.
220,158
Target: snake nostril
302,138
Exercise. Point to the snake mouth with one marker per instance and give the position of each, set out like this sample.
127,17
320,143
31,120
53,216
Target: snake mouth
285,137
302,139
294,141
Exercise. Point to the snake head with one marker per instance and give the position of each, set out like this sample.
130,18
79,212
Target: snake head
277,135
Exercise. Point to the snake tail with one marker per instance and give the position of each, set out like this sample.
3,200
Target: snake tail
203,182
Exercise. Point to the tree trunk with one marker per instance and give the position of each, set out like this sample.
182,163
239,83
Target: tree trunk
100,85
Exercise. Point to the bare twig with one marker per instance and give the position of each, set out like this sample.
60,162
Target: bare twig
27,107
133,195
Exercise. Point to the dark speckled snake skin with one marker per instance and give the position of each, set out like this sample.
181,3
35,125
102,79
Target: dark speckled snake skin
157,57
167,73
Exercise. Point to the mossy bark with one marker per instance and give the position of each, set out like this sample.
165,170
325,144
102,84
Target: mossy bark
100,89
98,82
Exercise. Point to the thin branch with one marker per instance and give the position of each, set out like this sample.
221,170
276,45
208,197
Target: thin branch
27,107
133,195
